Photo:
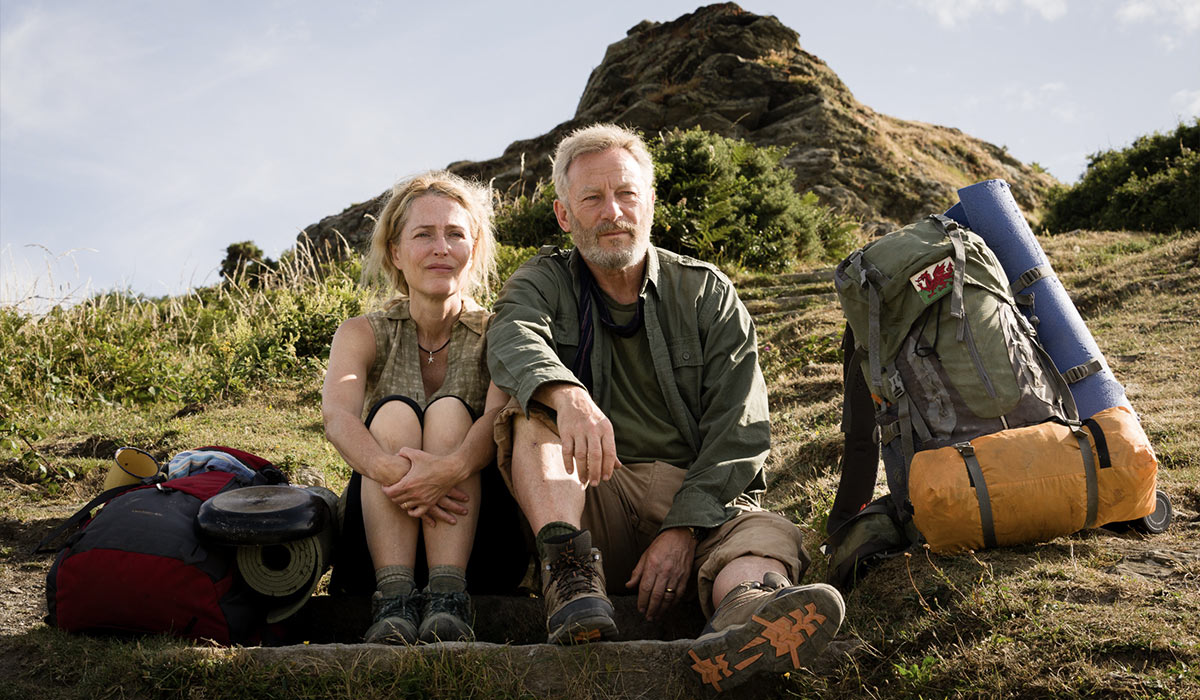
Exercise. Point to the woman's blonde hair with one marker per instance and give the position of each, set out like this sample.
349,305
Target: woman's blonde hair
389,223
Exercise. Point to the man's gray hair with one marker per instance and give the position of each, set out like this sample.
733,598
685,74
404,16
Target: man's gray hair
598,138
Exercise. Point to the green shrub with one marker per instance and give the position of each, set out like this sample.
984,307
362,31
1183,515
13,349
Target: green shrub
718,199
729,202
528,221
245,260
1153,185
218,342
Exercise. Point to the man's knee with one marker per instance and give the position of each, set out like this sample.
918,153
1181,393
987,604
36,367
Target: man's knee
757,533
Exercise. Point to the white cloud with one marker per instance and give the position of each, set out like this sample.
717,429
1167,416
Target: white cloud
950,13
1065,113
1050,10
1187,102
1135,11
1182,14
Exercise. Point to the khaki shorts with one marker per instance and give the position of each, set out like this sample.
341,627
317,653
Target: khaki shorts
625,513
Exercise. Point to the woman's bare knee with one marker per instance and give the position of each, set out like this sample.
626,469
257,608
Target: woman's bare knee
447,422
396,425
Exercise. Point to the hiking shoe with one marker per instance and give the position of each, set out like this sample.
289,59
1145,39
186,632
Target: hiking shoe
577,610
394,618
447,618
768,627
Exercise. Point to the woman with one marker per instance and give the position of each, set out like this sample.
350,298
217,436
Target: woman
419,367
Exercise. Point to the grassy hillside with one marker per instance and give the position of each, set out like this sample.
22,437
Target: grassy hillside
1097,614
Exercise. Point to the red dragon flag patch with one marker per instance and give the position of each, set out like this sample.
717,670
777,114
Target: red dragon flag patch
933,282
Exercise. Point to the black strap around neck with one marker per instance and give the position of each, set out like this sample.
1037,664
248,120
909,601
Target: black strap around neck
591,297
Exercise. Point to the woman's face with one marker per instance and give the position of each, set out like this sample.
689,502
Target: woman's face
434,249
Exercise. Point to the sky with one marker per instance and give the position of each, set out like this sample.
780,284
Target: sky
139,138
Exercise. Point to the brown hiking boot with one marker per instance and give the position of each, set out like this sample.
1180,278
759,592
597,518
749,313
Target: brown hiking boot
768,627
577,609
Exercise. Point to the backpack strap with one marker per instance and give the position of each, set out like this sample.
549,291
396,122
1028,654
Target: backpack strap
975,474
870,278
1083,371
909,421
73,522
1089,473
1101,442
954,233
904,410
860,446
1029,277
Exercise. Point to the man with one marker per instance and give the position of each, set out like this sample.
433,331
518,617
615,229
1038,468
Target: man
639,425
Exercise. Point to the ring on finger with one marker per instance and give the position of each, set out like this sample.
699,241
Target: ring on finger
670,591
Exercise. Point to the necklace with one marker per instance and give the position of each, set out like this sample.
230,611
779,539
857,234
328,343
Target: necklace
431,353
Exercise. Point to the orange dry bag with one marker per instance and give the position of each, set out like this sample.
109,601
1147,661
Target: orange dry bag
1034,483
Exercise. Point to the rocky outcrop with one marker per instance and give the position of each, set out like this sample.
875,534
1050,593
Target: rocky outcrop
744,75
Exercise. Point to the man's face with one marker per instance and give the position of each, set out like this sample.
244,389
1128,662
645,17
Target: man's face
609,210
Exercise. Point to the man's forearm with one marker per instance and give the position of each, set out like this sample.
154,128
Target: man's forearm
560,396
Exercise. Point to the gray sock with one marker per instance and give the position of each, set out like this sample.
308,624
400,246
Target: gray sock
394,580
447,579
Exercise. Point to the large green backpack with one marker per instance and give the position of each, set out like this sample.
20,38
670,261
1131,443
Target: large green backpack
945,353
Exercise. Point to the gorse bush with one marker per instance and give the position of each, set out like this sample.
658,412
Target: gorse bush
730,202
527,221
718,199
1153,185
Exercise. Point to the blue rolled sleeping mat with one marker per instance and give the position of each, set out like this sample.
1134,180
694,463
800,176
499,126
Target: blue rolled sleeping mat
988,209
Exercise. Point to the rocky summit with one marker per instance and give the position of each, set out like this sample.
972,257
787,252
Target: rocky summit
746,76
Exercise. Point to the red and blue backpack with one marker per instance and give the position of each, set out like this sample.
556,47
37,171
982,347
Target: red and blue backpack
140,566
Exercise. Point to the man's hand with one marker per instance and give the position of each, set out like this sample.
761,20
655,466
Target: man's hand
662,573
429,490
586,434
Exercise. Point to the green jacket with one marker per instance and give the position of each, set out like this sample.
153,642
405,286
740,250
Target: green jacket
704,353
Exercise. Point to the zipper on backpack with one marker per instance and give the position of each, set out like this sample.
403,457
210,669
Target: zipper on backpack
969,338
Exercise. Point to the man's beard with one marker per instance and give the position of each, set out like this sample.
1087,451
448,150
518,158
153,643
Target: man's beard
587,240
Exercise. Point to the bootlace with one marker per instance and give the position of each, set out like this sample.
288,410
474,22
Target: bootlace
572,574
457,604
405,606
